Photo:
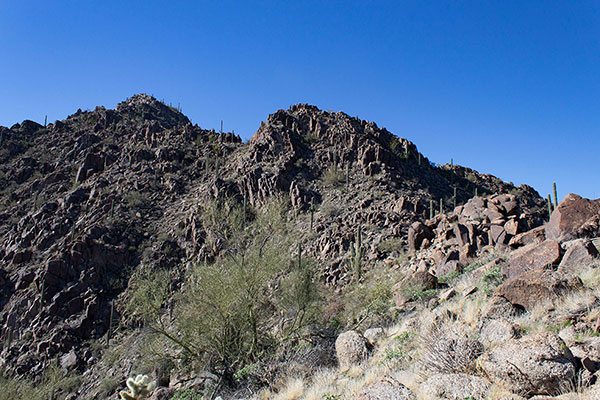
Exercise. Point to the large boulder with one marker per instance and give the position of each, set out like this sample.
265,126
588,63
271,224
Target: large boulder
580,253
537,286
455,387
539,364
374,335
535,256
386,388
508,203
414,283
571,215
533,236
496,331
350,348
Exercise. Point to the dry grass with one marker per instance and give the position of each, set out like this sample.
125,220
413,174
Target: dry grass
444,339
293,390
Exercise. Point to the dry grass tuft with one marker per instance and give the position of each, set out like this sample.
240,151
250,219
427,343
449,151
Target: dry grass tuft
293,390
449,348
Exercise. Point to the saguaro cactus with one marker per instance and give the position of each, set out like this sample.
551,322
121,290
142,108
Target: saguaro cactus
555,195
347,176
357,253
454,197
431,212
110,323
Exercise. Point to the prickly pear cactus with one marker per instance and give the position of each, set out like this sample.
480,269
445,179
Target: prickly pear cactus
140,387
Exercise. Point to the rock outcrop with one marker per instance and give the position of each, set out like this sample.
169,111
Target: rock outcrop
351,349
386,389
575,217
539,364
537,286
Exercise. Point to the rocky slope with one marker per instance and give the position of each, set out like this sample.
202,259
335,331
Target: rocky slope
519,323
87,200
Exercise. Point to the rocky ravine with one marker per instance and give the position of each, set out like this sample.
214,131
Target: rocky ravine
85,200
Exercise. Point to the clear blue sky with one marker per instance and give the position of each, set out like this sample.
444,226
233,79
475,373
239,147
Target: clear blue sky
510,88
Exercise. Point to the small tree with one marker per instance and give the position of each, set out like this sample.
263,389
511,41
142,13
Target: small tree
238,309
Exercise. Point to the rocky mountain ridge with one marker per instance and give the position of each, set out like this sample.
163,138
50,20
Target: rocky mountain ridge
87,200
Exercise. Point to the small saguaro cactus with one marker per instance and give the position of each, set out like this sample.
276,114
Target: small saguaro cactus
245,208
110,323
312,215
555,195
431,212
550,208
42,295
347,175
454,197
335,162
139,387
441,206
357,253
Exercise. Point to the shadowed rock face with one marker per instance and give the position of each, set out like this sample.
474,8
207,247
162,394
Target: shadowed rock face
86,200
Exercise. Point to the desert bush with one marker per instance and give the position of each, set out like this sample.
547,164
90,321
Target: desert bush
331,210
240,308
135,199
390,245
368,300
54,383
450,348
333,177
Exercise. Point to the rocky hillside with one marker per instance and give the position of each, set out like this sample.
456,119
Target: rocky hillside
519,322
86,201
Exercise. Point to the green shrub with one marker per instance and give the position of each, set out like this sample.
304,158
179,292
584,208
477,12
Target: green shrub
333,177
188,394
369,299
389,245
135,199
238,309
54,383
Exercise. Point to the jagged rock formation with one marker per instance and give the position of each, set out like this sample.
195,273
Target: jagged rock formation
86,200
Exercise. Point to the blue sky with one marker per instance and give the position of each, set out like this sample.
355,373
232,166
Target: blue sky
510,88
